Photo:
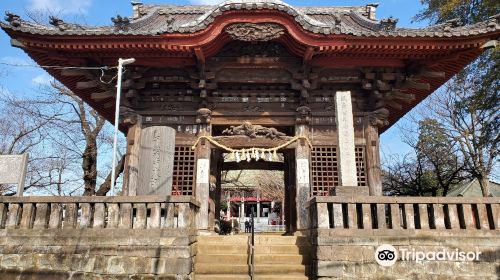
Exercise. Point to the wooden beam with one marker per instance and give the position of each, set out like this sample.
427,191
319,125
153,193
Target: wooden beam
430,74
253,165
74,72
382,85
406,97
395,105
412,84
199,55
102,95
308,55
87,84
109,104
365,84
370,76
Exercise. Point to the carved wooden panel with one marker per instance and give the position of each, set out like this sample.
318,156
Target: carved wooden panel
324,167
184,171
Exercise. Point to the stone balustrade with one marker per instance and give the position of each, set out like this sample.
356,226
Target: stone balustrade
347,230
123,212
404,213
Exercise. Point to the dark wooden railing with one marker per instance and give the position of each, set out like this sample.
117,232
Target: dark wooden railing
211,215
127,212
440,213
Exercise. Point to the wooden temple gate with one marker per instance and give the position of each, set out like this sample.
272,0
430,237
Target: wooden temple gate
252,96
251,76
231,86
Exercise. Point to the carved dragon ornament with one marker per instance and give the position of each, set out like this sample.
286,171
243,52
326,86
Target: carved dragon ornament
255,32
253,131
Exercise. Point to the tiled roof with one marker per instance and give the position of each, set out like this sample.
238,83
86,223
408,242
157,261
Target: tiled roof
155,20
472,188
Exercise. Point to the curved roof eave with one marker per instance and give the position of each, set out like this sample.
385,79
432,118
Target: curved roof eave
159,20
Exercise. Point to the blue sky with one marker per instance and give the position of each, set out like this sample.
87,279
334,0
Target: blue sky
23,80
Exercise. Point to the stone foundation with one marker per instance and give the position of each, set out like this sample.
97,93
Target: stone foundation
97,254
350,254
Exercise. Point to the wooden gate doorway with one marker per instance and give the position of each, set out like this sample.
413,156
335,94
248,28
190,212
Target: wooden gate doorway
262,187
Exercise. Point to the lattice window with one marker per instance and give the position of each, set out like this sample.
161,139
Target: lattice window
360,165
325,173
324,167
184,171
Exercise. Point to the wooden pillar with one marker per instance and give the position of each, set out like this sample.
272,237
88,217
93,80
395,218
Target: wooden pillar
289,186
131,168
156,160
218,184
372,156
202,185
346,153
228,213
258,210
243,208
302,158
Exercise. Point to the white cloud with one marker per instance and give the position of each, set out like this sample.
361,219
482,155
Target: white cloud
61,6
42,79
206,2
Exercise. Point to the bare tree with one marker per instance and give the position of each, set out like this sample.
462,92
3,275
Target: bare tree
472,119
64,137
433,167
91,129
266,183
271,185
24,129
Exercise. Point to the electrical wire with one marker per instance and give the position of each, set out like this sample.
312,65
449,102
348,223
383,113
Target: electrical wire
57,66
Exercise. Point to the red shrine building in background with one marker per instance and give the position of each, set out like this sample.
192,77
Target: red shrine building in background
258,85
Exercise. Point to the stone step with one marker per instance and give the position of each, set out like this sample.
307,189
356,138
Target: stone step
222,249
281,240
282,249
220,268
280,277
226,277
281,259
282,269
226,239
240,259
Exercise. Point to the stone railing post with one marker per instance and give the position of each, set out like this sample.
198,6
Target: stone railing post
322,215
155,219
113,215
141,216
395,216
184,215
70,215
55,218
13,216
28,216
41,216
125,216
3,215
86,215
424,216
170,209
